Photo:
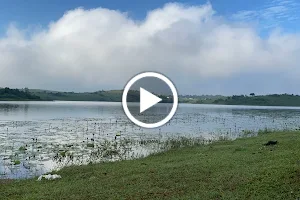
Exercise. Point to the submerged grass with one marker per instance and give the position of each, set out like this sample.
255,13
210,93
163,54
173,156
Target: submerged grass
240,169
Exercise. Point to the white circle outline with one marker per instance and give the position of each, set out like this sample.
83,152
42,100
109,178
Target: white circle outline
161,77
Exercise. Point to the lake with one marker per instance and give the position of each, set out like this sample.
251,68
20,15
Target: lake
37,137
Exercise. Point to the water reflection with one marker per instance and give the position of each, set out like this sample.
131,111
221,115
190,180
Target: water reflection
6,108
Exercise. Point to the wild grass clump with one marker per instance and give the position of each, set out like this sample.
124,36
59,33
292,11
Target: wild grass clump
222,138
123,149
264,131
248,133
175,143
97,152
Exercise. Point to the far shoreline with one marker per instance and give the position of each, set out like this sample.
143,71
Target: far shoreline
283,100
187,103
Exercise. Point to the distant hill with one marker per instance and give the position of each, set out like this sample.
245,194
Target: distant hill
111,95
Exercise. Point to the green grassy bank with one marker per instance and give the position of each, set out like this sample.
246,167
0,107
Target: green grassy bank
240,169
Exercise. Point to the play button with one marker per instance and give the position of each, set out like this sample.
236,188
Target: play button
147,100
150,100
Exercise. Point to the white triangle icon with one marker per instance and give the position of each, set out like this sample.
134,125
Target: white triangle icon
147,100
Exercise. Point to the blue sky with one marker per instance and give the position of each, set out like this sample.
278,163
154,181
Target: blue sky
205,47
40,13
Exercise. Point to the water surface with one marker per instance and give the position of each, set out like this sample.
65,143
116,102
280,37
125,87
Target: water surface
45,129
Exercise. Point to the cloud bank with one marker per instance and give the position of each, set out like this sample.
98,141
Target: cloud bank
101,49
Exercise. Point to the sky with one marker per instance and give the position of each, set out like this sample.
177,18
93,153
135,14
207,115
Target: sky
204,47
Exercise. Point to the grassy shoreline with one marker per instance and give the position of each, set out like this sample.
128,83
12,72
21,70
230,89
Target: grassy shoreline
240,169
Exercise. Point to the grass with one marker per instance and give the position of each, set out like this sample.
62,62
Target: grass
240,169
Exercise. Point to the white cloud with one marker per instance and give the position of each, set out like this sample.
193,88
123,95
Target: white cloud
101,48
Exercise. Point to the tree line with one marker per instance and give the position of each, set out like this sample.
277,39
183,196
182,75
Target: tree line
16,94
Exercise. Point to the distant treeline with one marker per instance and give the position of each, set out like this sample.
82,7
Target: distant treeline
113,95
7,94
266,100
134,96
251,99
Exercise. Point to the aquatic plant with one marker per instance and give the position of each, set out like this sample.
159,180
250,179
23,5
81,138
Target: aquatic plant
91,145
22,148
16,162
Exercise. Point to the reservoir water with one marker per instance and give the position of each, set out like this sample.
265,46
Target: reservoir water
37,137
